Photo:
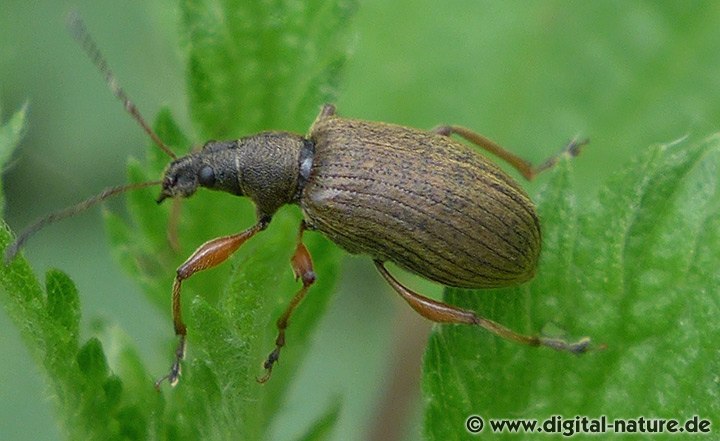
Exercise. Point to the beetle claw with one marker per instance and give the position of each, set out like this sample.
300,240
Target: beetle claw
273,358
575,146
579,347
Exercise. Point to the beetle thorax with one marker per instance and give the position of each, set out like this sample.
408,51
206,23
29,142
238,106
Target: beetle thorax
269,169
265,167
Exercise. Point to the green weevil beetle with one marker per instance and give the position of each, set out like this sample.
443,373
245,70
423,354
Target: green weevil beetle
420,199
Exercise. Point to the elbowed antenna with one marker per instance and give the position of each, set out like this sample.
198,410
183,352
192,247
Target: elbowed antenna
12,250
79,31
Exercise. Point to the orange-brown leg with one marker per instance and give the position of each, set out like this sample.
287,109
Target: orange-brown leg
303,268
444,313
524,167
208,255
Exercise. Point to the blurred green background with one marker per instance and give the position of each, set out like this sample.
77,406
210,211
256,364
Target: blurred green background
530,75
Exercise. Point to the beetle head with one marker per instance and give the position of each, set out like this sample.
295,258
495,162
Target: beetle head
214,167
181,178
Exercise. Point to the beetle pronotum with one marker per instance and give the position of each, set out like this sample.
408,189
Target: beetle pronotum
416,198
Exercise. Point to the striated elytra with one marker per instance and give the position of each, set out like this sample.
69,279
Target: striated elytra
420,200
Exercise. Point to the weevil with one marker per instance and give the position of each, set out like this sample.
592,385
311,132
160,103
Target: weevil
420,199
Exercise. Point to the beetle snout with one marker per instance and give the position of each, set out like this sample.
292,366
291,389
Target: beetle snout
180,180
163,195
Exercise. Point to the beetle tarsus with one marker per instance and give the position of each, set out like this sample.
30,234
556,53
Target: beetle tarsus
572,149
273,358
575,146
579,347
173,376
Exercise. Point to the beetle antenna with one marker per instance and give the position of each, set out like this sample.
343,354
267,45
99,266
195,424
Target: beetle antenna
81,34
12,250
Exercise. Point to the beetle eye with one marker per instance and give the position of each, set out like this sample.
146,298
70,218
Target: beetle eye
206,176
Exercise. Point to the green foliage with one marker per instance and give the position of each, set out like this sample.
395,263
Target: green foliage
636,270
254,66
90,399
248,68
11,133
322,428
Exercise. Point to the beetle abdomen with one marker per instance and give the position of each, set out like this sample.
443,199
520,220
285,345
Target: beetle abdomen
421,200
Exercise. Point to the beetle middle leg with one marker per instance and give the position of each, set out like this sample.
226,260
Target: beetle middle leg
443,313
303,268
208,255
524,167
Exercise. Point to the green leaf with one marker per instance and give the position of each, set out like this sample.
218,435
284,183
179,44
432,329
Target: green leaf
90,400
91,360
255,66
634,270
11,132
63,305
322,429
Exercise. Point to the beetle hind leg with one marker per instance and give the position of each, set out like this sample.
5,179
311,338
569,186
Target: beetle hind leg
521,165
443,313
303,268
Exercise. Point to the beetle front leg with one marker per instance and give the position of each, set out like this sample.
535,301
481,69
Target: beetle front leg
303,268
524,167
208,255
443,313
